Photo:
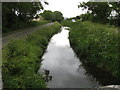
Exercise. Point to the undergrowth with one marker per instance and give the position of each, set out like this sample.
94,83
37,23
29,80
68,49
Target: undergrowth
22,58
96,44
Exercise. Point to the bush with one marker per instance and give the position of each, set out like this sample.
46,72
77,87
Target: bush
96,44
22,57
52,16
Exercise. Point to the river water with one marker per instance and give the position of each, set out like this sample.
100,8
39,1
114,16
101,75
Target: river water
63,65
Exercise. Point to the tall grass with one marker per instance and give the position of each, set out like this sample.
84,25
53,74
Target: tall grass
22,58
96,44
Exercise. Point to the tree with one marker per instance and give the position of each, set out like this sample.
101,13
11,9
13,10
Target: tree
116,16
16,14
58,16
87,16
77,17
100,10
47,15
52,16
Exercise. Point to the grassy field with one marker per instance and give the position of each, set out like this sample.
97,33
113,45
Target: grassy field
96,44
22,58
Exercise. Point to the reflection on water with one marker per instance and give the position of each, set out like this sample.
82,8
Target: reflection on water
47,75
63,66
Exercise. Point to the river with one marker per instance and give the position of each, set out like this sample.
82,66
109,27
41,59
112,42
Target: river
63,64
63,68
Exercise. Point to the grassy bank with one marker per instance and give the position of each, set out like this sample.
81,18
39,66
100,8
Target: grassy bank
21,27
96,44
22,58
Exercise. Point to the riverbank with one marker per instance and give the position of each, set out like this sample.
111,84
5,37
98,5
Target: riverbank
96,44
63,65
22,57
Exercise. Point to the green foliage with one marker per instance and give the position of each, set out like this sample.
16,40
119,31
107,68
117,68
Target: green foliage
96,44
52,16
66,22
58,16
87,16
115,19
47,15
22,27
69,22
18,14
22,57
101,12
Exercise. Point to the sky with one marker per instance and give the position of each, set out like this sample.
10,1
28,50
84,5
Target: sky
69,8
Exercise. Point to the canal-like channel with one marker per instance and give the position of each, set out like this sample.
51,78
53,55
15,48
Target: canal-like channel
63,65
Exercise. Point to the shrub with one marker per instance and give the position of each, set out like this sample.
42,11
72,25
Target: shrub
22,57
96,44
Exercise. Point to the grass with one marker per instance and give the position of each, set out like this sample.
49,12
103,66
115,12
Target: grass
96,44
9,31
22,58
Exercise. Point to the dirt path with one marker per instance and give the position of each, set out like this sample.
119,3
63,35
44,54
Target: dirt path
27,31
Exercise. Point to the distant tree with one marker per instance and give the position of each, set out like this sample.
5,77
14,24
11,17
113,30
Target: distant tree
77,17
52,16
58,16
47,15
87,16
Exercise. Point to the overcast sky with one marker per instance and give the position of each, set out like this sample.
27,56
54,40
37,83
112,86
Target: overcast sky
69,8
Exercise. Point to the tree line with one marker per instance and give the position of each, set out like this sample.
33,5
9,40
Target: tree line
18,15
52,16
101,12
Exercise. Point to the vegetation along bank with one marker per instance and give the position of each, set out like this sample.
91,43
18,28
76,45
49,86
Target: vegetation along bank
22,57
96,44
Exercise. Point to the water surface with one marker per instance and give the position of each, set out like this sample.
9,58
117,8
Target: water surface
63,65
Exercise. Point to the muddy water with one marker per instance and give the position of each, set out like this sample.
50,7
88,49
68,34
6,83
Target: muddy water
63,68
